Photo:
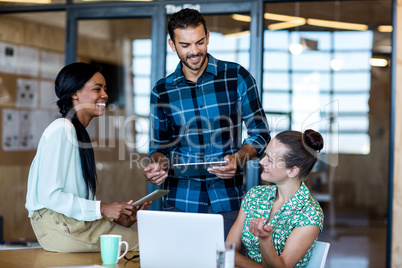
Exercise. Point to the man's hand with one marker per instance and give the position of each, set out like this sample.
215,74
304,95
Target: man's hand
247,152
155,174
225,172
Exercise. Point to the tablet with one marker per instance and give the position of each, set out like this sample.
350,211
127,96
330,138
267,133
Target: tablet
155,195
195,169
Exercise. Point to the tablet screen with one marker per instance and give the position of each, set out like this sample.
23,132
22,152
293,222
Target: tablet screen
196,169
155,195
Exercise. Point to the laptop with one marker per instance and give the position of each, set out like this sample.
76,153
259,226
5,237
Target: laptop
178,239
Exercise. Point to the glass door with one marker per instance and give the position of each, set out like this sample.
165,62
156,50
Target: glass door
121,39
130,43
233,31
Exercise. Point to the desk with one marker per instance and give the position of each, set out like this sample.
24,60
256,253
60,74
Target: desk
39,258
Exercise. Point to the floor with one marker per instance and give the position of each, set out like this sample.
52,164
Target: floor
356,242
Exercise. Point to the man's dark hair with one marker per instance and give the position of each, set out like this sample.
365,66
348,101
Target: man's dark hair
185,18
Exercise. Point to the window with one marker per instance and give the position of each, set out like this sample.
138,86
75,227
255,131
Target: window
326,87
141,91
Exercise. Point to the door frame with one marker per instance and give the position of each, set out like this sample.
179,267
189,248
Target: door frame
157,11
76,13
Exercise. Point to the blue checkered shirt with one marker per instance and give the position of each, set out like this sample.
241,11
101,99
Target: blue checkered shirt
200,122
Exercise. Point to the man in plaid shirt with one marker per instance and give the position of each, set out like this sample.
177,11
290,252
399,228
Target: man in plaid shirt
196,116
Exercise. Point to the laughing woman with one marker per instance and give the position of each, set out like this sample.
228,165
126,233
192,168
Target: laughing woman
279,223
61,202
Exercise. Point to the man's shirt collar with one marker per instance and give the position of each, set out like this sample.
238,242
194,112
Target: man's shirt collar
212,68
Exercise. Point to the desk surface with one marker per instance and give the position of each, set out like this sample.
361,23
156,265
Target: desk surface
39,258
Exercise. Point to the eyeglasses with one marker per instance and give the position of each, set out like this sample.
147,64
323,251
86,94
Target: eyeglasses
132,258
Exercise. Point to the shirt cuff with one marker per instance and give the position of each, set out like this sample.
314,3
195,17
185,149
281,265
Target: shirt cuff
98,211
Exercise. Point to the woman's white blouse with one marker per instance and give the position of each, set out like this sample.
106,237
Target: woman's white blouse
55,179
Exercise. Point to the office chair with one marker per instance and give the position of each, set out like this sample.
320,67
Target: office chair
319,255
1,229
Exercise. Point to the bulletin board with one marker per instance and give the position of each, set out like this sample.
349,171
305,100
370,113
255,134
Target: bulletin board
27,99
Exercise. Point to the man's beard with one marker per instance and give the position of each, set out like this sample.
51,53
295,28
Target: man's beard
184,61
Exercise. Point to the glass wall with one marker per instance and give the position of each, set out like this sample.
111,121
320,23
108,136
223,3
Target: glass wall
304,85
124,52
30,57
229,40
326,56
142,90
32,47
327,67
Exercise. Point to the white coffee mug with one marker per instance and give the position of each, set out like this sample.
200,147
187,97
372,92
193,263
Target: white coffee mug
111,248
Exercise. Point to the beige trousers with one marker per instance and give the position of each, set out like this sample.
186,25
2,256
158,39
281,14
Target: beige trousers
58,233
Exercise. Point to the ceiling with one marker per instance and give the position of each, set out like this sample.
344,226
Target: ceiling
372,13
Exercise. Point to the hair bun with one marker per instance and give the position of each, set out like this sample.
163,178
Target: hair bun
313,140
64,106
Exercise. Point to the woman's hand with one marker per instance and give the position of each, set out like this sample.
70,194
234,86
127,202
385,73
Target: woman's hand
127,221
117,209
259,229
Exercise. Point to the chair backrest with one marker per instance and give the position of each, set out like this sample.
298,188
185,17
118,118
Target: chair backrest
319,255
1,230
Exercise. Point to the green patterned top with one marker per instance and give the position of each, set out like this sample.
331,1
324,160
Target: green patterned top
300,210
